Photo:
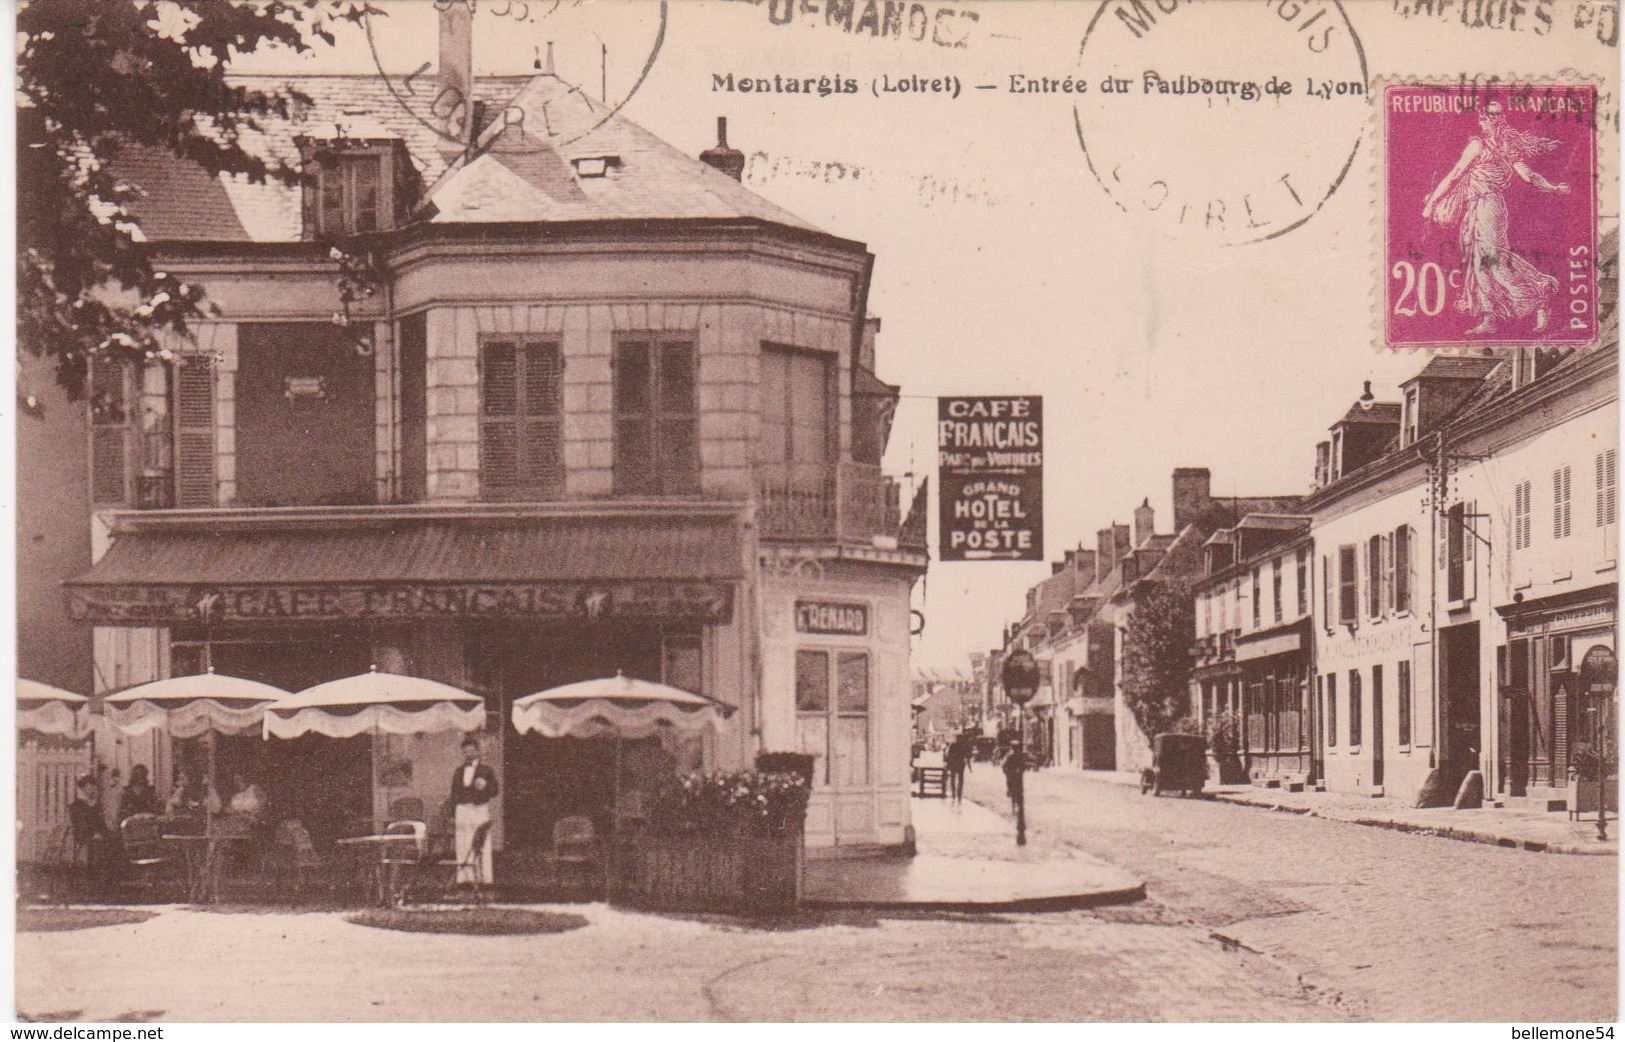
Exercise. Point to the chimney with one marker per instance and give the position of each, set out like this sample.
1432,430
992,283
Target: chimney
1193,494
1144,522
1084,561
454,94
730,161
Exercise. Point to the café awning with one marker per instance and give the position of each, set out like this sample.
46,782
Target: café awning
47,710
190,706
376,703
660,566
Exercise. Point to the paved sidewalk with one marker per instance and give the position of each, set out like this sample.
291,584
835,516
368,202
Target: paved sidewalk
1548,831
968,861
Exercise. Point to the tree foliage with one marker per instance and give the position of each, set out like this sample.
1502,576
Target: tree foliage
1157,657
95,76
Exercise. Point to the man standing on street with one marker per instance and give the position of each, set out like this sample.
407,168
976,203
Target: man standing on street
473,787
955,760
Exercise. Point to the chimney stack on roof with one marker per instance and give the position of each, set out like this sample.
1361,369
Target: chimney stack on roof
730,161
1193,494
454,98
1110,546
1144,522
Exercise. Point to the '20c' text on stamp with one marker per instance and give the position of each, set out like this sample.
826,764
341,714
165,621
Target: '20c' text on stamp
1489,214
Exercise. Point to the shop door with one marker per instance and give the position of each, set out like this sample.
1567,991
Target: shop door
1461,695
1378,735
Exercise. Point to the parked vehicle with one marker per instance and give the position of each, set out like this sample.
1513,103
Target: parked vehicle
1178,763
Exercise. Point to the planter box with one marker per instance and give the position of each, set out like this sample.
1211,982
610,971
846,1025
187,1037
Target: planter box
1583,796
708,873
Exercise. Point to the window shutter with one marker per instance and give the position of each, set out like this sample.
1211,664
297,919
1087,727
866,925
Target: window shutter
499,421
1469,556
1402,568
634,435
194,433
542,453
1560,503
1607,487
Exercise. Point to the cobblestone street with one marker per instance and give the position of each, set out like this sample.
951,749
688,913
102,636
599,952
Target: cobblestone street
1393,926
1124,964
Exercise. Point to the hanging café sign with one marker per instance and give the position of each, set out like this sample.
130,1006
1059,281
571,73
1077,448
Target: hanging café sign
990,476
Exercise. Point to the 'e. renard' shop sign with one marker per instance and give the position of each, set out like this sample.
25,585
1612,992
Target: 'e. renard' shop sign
990,476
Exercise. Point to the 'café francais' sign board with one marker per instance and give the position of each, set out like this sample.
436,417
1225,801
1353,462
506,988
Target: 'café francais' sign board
990,476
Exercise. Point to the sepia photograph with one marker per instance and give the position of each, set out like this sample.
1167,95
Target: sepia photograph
798,511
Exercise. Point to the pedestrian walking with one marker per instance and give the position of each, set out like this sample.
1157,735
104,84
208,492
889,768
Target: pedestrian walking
1014,769
955,759
473,787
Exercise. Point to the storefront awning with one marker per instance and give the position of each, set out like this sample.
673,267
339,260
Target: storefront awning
616,567
1264,647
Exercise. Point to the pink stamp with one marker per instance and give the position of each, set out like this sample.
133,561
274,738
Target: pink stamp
1490,225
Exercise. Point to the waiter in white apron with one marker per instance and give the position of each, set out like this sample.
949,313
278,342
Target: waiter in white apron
473,787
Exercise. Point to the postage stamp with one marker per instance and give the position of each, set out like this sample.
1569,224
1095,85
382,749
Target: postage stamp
1489,216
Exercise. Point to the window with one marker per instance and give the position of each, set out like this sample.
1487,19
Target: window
1404,703
1331,709
192,389
796,451
1402,568
656,430
1373,571
1521,510
1562,486
836,731
1413,416
1356,725
1348,584
1303,582
1607,487
1276,585
521,394
1258,602
350,193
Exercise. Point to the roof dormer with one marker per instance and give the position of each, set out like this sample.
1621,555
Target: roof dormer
1432,395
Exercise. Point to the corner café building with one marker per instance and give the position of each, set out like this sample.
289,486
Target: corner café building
615,413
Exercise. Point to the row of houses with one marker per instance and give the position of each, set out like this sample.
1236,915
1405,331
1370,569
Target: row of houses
1441,599
605,410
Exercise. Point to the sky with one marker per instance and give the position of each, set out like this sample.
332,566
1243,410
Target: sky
1003,266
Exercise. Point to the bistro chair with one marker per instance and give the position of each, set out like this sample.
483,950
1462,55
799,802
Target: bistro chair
296,857
145,854
399,863
474,862
574,853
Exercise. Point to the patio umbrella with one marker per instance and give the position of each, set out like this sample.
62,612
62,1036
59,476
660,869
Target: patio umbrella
48,710
191,706
375,702
617,706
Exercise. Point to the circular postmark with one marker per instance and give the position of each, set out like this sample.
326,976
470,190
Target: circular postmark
1221,123
606,50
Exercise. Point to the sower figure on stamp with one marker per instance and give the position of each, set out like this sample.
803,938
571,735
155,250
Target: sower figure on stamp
1498,283
473,787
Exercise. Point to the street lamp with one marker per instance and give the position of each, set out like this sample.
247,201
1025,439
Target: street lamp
1019,676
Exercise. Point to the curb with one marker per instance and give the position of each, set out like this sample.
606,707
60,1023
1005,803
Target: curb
1055,903
1466,835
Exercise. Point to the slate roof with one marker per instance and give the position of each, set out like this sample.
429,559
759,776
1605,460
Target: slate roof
525,175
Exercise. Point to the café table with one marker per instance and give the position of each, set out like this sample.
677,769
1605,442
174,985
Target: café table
205,857
388,852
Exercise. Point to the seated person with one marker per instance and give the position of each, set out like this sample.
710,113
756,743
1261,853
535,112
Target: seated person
139,797
93,841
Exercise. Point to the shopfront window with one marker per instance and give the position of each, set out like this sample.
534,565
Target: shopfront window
835,730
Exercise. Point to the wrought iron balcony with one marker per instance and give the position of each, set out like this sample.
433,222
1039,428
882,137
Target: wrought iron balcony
844,503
